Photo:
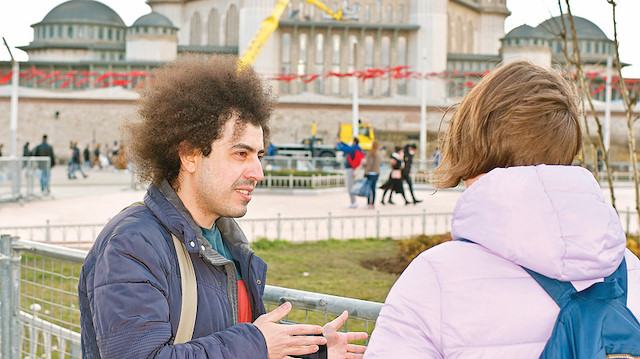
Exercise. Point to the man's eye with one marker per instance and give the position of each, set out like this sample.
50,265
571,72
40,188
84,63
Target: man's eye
241,154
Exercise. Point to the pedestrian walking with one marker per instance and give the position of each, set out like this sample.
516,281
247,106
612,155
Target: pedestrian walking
44,149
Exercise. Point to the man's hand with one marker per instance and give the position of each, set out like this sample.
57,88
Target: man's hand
338,346
284,340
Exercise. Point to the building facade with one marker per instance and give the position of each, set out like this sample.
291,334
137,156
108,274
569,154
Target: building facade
82,51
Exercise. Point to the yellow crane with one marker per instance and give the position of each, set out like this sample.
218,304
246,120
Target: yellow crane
269,25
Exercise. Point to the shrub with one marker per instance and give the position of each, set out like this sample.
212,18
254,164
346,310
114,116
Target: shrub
408,249
633,243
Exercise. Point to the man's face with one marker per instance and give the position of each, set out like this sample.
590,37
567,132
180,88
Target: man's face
227,177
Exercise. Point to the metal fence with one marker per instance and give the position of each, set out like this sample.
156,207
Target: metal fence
20,177
294,229
291,181
40,317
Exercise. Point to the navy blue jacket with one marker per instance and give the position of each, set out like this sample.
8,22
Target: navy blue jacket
130,291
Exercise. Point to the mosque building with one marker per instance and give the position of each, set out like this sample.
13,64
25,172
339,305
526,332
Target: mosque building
85,62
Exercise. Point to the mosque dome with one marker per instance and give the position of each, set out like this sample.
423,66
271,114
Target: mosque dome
153,19
585,29
83,12
528,32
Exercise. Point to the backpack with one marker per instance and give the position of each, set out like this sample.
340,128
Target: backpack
593,323
355,161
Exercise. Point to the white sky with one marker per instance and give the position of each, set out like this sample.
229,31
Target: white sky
15,23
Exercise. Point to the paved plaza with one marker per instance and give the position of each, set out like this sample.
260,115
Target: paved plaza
97,198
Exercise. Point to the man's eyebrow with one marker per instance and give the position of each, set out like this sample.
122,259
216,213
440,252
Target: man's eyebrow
244,146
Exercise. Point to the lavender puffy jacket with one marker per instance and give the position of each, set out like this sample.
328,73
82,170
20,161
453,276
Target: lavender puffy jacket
465,300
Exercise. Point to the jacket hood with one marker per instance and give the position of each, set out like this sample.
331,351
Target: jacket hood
551,219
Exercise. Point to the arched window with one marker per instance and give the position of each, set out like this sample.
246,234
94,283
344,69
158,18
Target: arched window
385,45
319,63
400,14
303,52
459,36
401,49
195,36
389,13
213,26
353,57
368,63
232,26
335,63
285,61
470,38
367,13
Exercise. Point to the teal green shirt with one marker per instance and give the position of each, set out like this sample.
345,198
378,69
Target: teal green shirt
215,238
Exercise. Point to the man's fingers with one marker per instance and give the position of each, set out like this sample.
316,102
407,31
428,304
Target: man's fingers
335,324
353,348
302,350
351,336
303,329
278,313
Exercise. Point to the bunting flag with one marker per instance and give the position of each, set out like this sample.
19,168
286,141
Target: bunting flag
138,78
6,78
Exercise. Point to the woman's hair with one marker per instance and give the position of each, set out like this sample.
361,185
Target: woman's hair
517,115
375,145
188,102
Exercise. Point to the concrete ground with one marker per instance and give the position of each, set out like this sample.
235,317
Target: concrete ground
105,192
100,196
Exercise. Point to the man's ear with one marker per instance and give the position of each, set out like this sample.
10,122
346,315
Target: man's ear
189,157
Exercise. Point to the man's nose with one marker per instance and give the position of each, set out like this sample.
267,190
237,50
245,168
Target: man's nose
254,171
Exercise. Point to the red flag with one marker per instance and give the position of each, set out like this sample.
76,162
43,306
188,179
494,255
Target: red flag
310,78
6,78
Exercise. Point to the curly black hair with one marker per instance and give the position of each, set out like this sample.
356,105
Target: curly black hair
189,101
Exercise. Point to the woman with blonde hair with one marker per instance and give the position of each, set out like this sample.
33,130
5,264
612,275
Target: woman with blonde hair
511,141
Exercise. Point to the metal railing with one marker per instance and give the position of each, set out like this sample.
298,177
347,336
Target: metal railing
20,176
295,229
40,317
291,181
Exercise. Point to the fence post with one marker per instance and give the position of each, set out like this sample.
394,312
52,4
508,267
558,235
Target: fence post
10,306
278,227
329,226
378,224
47,232
424,221
290,180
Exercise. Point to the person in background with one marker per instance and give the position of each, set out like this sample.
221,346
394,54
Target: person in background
44,149
372,171
26,151
353,157
1,147
394,183
96,157
436,157
512,141
86,157
199,139
409,152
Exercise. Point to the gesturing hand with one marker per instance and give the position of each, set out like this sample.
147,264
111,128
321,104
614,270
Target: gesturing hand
284,340
338,346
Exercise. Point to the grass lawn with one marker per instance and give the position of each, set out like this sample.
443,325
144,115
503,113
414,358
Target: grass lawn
330,267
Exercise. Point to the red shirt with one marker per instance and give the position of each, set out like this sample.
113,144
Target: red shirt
244,304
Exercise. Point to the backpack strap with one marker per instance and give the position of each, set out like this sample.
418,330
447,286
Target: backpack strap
189,306
561,292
